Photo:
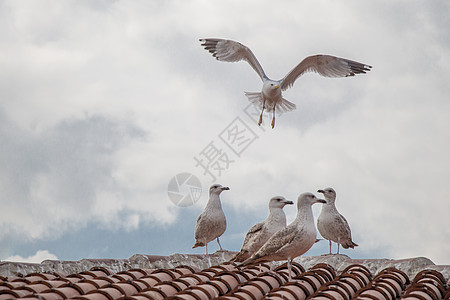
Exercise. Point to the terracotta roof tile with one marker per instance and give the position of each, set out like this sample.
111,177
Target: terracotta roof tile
352,279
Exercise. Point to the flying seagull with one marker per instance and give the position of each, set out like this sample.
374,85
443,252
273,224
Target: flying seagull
293,240
261,232
211,223
331,224
270,97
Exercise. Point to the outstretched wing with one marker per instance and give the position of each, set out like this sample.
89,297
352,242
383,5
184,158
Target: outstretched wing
231,51
325,65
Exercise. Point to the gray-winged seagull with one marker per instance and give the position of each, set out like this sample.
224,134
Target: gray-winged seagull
293,240
270,97
331,224
211,223
261,232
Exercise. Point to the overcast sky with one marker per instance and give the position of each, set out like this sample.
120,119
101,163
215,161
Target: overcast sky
102,103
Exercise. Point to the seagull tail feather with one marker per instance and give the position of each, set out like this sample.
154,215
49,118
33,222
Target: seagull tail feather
257,100
284,106
350,244
198,244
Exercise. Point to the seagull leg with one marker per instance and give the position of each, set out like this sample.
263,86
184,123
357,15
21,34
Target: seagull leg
273,116
289,265
219,244
338,249
330,246
271,268
206,248
260,116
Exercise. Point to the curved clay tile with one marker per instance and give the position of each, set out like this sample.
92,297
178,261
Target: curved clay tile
67,291
49,296
162,276
429,274
37,287
232,278
183,270
208,290
135,274
340,287
393,271
149,280
394,288
153,293
438,287
198,293
426,290
352,280
99,282
106,271
222,285
40,276
179,284
165,275
93,273
11,294
290,290
358,269
126,288
187,295
84,286
100,295
190,279
78,277
314,280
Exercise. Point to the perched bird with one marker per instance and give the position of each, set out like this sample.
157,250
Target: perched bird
211,223
270,97
261,232
294,239
332,225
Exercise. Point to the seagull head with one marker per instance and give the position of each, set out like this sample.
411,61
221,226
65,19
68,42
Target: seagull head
278,202
217,189
271,89
308,199
329,194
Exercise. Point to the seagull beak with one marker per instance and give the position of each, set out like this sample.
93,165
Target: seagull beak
321,191
288,202
225,188
321,201
277,86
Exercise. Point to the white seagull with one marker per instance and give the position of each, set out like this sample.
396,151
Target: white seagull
270,97
261,232
331,224
293,240
211,223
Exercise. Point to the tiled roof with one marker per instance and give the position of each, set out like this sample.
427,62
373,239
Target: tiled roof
348,279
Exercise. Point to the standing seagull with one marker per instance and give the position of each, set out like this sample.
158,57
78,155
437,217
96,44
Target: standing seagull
211,223
270,97
332,225
293,240
261,232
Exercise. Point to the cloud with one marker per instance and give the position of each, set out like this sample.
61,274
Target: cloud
65,176
102,104
38,257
